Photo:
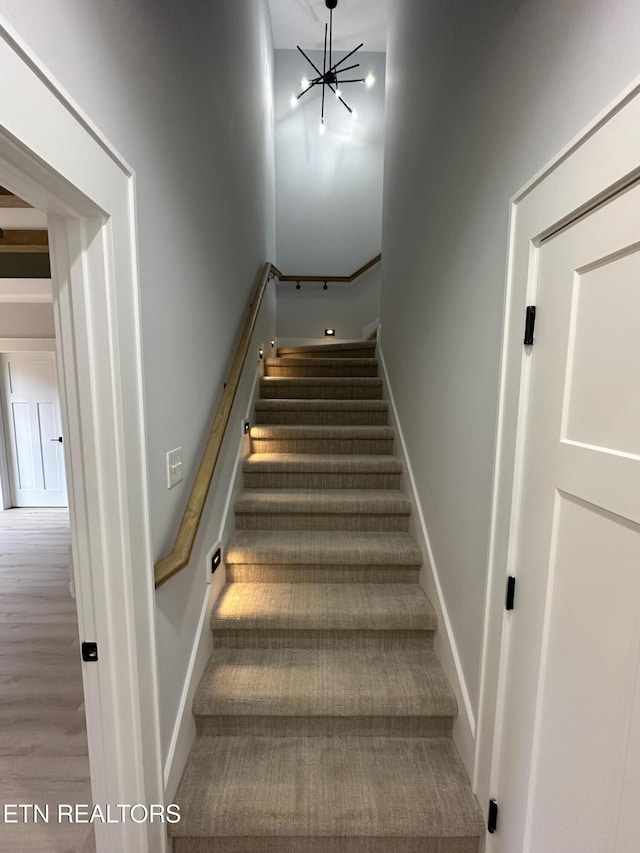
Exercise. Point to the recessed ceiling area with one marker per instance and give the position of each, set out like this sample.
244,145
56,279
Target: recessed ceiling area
301,22
24,246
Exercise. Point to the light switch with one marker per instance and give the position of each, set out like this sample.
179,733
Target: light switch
174,467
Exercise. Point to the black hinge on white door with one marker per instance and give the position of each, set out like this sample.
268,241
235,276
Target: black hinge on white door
511,593
492,822
529,326
90,652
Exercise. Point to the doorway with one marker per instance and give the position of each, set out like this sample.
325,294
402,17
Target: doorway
560,714
33,429
87,192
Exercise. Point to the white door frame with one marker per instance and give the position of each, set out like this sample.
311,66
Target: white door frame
53,157
601,160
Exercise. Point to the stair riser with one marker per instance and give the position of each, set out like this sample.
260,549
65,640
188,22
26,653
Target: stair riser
281,417
294,372
320,481
257,638
247,573
327,352
324,844
322,521
380,447
243,726
276,391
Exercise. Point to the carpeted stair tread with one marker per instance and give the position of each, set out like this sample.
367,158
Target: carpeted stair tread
291,438
323,411
321,388
322,509
322,547
323,607
269,431
324,682
329,788
332,501
322,405
302,367
317,462
329,350
321,471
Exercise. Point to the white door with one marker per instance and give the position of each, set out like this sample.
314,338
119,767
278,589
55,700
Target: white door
569,777
33,429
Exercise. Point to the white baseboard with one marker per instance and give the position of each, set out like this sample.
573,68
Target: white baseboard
464,728
184,731
369,329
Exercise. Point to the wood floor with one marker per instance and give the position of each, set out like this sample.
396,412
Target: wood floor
43,741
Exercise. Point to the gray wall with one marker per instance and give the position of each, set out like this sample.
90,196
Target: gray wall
328,195
22,320
479,97
328,188
184,92
347,308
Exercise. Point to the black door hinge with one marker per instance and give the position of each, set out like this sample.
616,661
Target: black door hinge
90,652
511,592
529,325
492,822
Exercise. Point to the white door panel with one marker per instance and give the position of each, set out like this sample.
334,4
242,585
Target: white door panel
33,429
570,777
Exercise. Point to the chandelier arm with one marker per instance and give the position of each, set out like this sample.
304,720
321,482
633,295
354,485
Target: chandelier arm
330,36
335,92
344,58
324,58
324,72
308,89
355,80
311,63
349,68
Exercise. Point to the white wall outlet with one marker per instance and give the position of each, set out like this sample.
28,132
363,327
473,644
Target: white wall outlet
174,467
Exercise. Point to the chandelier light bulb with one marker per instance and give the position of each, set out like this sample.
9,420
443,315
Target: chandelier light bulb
369,80
338,93
354,114
322,129
293,102
304,83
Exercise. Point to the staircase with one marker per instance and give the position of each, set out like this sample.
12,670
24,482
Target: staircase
324,718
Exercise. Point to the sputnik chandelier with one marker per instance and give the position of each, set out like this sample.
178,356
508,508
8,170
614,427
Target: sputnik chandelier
331,71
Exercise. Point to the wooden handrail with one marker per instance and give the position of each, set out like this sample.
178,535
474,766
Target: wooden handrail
180,554
344,278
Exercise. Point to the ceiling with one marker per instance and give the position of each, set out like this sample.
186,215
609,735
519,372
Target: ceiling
301,22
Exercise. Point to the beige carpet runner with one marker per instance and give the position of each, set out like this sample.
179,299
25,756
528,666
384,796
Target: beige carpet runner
324,717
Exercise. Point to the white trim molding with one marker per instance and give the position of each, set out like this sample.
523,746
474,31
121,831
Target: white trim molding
26,290
88,193
600,161
464,727
27,344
